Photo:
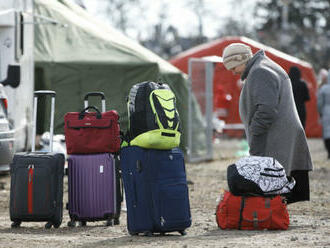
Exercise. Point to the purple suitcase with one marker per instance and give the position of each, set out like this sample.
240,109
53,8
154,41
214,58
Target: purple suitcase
92,188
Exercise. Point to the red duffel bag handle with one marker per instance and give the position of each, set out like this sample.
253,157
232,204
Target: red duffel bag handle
83,112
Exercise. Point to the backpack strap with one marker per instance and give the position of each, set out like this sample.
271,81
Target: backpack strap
125,139
241,212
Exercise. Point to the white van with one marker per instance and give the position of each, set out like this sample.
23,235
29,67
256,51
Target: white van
16,76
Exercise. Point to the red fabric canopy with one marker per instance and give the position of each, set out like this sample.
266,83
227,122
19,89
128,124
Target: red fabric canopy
227,86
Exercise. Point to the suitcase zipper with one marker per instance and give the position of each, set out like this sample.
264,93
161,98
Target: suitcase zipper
30,188
162,221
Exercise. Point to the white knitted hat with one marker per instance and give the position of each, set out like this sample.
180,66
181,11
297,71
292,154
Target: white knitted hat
236,54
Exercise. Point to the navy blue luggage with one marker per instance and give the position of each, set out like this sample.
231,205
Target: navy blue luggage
156,190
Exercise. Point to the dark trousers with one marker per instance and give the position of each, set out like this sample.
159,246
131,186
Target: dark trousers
327,146
300,191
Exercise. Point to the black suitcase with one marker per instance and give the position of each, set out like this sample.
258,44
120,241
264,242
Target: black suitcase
36,192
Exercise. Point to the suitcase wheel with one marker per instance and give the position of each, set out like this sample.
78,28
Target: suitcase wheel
82,223
57,225
148,234
71,223
133,233
109,222
16,224
183,232
116,221
48,225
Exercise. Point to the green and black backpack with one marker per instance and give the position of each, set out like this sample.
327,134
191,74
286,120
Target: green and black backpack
153,117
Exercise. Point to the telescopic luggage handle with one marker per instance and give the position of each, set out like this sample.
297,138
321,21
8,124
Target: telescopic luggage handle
37,94
100,94
44,92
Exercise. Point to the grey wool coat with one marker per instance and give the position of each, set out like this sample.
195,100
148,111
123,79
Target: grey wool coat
270,117
323,106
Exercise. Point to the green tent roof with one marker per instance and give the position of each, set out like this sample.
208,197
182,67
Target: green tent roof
89,41
81,54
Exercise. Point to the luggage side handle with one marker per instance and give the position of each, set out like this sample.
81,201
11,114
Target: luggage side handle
37,94
100,94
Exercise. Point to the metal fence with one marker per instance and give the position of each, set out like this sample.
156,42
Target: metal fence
200,144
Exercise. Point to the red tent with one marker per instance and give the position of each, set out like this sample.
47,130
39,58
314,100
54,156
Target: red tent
226,86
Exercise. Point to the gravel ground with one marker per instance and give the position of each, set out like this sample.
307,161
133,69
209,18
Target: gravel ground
309,221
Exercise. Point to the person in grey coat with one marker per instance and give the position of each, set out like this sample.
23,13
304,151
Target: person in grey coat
323,107
268,112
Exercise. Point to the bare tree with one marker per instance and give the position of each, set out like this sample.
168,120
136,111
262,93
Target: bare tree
299,27
233,27
121,12
198,7
239,22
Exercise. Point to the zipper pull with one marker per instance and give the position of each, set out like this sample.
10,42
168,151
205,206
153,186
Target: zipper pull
162,221
30,168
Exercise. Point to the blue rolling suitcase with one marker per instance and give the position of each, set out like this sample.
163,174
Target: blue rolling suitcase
156,190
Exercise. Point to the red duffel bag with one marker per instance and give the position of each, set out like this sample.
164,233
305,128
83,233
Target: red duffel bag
252,213
92,132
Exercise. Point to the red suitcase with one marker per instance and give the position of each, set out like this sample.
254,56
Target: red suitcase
92,132
252,213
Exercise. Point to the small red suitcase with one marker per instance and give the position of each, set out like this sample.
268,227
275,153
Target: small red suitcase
252,213
92,132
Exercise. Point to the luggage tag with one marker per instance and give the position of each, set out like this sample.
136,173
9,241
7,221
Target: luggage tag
138,166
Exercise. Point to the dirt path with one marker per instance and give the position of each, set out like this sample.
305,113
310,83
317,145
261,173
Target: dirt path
309,221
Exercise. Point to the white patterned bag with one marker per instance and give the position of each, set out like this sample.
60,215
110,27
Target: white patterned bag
256,175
